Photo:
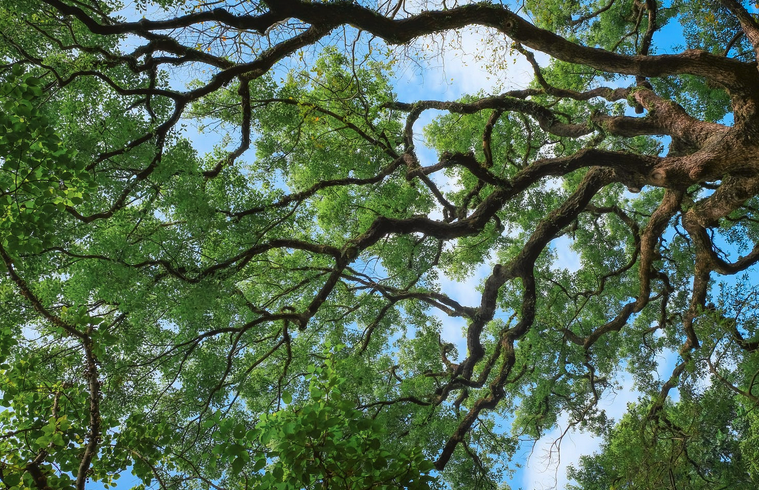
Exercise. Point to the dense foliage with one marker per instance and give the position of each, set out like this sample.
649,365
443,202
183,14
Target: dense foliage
268,313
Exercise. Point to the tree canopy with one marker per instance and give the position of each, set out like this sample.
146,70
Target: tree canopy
268,313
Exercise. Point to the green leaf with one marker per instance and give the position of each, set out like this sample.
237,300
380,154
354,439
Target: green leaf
237,465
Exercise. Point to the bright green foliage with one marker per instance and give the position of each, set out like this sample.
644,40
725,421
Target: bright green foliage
697,449
39,176
197,206
322,443
52,419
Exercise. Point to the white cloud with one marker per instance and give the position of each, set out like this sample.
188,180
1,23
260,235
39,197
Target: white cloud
548,460
462,63
470,68
547,465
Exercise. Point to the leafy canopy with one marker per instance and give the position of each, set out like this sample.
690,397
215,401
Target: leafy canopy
269,312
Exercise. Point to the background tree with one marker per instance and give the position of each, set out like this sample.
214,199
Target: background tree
266,314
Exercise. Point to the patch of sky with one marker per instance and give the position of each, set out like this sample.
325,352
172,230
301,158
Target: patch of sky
465,292
459,65
548,458
566,257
